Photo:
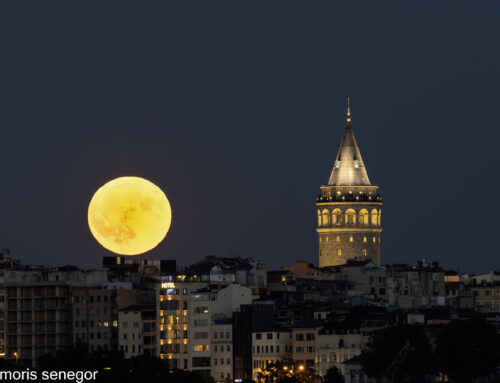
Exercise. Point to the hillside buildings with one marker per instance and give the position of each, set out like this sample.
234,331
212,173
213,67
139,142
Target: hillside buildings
232,318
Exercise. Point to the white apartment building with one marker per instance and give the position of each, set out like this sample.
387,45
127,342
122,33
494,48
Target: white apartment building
270,346
335,346
136,329
207,304
222,350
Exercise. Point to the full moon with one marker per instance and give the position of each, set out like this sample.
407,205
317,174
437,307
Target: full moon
129,215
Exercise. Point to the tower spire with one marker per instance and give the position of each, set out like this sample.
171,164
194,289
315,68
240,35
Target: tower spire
348,116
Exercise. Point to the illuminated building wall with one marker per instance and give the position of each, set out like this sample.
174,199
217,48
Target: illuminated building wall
173,305
270,346
335,346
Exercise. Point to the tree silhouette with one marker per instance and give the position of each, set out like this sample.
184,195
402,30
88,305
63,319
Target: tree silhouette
333,375
467,350
387,344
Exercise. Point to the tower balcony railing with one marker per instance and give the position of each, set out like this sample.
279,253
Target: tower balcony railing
349,197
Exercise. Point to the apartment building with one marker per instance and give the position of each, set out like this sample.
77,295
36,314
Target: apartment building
258,316
270,346
173,296
186,308
416,286
39,310
336,344
95,312
137,330
207,304
487,296
222,349
303,344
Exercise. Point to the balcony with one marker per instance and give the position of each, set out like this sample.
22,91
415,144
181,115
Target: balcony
349,197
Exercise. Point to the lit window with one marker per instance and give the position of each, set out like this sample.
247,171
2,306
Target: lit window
364,252
374,239
364,239
339,251
336,216
356,163
350,217
351,239
364,217
338,238
326,216
201,347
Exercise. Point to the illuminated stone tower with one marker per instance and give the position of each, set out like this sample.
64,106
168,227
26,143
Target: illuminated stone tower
349,208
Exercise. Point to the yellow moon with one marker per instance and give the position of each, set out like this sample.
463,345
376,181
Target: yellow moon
129,215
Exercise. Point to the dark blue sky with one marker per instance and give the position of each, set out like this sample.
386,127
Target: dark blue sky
235,109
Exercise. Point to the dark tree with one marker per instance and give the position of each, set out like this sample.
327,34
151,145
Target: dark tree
333,375
468,349
386,346
113,367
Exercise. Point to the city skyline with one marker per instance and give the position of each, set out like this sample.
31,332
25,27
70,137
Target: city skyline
239,123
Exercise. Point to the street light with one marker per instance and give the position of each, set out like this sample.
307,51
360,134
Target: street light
17,356
301,367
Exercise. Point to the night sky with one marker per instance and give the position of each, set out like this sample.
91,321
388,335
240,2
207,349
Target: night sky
236,110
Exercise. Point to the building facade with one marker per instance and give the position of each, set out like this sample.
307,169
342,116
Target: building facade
348,209
335,346
40,310
222,350
269,347
136,330
304,345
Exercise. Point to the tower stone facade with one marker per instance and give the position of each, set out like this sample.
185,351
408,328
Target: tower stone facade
349,209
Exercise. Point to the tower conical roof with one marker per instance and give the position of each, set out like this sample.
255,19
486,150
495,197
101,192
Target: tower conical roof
349,168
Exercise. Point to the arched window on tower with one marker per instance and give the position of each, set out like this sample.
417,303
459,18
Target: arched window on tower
374,217
364,217
379,216
326,216
336,217
319,218
350,217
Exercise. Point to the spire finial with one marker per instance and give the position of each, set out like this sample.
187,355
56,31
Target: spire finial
348,118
